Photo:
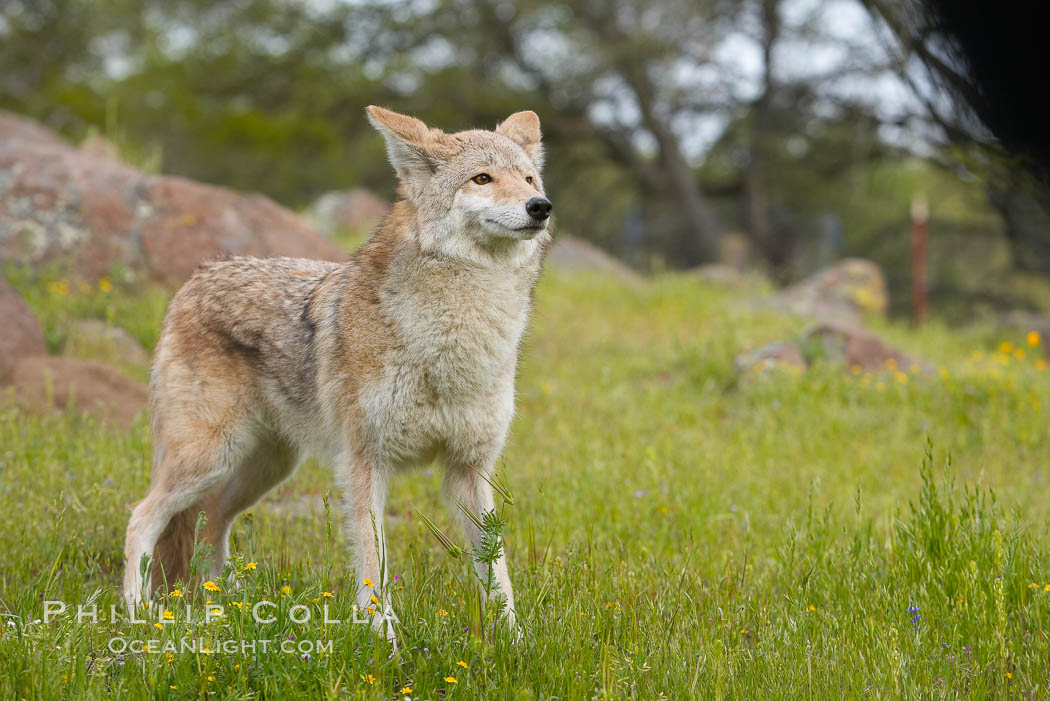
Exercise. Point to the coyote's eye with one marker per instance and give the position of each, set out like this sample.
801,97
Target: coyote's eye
482,178
528,179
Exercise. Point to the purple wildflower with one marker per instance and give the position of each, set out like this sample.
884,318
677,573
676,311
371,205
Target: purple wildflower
914,611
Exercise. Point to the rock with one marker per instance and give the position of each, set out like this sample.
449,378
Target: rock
730,277
734,250
96,338
42,383
14,127
59,202
357,210
787,355
574,254
847,291
96,145
1025,321
21,335
857,348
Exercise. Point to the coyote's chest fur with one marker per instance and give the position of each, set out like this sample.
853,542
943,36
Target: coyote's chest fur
460,330
447,383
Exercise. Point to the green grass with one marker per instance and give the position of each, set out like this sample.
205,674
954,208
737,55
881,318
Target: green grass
677,531
58,298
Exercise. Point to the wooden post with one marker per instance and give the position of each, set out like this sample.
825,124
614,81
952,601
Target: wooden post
920,302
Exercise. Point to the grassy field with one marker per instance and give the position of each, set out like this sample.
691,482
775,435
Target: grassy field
677,530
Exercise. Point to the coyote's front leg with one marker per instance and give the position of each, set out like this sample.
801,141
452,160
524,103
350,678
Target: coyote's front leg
365,484
465,486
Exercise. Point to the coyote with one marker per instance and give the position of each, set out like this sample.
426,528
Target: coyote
402,355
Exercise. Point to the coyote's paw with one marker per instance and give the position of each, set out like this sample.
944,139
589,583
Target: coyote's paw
383,624
510,619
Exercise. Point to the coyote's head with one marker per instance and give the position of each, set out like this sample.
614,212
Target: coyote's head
478,193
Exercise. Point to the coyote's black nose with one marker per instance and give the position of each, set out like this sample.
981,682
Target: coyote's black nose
539,207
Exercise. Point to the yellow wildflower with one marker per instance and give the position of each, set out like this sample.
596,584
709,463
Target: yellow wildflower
158,625
1019,353
1033,338
1040,364
176,593
1046,588
406,690
105,285
326,594
212,586
374,600
168,615
462,664
173,687
286,590
451,680
211,678
1006,347
60,287
368,678
367,582
811,607
249,566
442,612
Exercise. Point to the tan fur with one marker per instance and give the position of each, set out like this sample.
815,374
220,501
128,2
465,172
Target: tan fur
404,354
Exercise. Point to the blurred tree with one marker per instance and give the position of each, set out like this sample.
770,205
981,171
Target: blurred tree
626,77
230,91
973,72
668,123
53,54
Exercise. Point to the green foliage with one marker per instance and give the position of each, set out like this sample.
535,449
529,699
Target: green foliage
677,530
57,297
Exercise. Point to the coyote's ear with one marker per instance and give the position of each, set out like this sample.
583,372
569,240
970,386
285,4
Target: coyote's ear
413,149
523,128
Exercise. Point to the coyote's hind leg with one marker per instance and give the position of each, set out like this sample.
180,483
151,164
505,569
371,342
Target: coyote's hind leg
187,468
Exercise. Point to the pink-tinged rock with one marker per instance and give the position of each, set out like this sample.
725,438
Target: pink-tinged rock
21,335
44,383
58,202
